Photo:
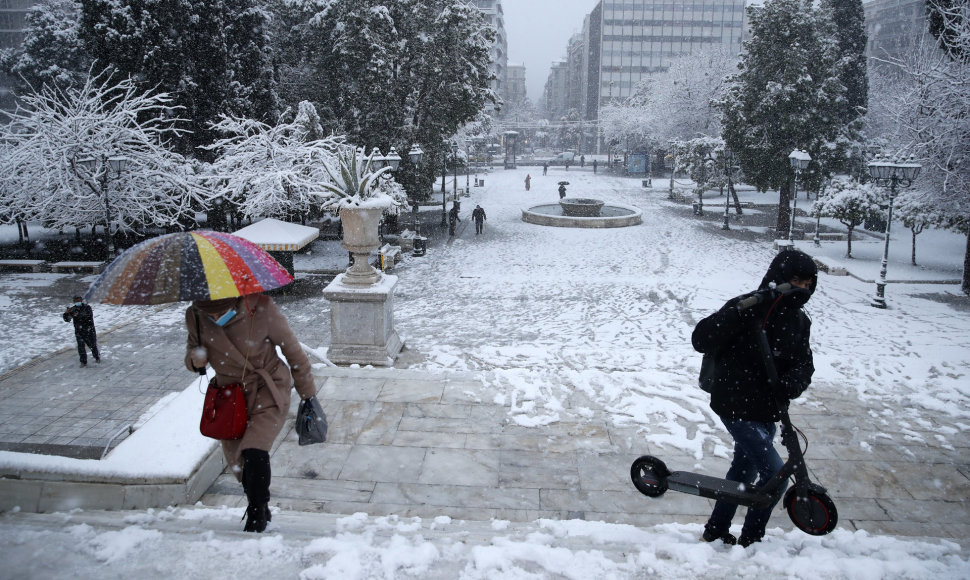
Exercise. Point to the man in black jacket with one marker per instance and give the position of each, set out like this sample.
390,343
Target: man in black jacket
83,318
741,394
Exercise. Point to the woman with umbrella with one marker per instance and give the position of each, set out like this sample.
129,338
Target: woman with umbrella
232,327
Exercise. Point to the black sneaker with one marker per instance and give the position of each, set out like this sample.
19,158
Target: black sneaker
726,537
746,541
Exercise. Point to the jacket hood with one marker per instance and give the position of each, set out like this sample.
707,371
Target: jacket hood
790,264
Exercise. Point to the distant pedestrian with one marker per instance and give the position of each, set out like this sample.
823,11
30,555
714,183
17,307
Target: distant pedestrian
582,161
478,215
83,318
567,166
453,219
545,168
528,181
594,166
562,190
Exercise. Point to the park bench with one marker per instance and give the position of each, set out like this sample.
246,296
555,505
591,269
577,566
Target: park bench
391,255
93,267
32,265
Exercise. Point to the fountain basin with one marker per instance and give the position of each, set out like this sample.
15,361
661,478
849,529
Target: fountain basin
610,216
581,206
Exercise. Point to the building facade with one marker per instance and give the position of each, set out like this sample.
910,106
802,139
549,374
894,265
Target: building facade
625,40
894,26
515,91
492,9
12,25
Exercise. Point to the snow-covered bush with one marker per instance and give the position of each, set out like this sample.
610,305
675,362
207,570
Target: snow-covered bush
850,202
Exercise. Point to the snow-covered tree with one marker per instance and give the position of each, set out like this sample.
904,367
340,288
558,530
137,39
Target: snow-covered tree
850,202
917,214
677,104
396,73
51,53
787,95
701,159
277,171
55,167
848,22
211,56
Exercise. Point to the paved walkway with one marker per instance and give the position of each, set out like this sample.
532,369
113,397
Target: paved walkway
409,443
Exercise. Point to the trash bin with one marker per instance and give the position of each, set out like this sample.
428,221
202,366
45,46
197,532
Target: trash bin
420,246
698,208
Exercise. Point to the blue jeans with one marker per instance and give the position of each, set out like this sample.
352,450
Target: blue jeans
755,458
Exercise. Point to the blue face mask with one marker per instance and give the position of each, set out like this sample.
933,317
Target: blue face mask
226,317
78,303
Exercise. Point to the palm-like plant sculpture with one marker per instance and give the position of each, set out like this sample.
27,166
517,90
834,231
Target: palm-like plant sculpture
356,186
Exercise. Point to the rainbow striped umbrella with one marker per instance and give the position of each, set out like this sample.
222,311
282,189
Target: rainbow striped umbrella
199,265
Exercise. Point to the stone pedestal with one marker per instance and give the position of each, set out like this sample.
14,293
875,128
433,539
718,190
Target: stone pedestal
362,322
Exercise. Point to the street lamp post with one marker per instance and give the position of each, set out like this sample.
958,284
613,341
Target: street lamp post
103,170
885,172
728,158
799,162
454,161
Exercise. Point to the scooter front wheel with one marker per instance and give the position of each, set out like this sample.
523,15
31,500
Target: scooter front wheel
649,476
814,513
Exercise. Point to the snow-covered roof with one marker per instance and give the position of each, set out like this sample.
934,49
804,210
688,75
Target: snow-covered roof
274,235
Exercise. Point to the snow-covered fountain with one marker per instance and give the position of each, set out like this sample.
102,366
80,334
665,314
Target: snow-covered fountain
573,212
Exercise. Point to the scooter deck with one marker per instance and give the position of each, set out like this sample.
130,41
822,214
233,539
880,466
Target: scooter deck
714,488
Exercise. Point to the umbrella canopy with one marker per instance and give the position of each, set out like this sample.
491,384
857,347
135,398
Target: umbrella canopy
200,265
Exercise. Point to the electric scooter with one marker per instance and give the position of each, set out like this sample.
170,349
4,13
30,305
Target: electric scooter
808,504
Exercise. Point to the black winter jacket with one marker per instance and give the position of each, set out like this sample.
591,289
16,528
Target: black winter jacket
741,390
83,319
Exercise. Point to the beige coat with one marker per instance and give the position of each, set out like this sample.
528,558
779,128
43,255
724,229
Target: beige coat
244,350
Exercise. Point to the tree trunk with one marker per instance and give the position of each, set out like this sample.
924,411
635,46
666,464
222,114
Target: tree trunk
848,251
734,194
913,257
784,211
20,231
26,233
966,267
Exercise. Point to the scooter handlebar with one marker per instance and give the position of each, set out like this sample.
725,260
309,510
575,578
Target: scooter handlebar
760,296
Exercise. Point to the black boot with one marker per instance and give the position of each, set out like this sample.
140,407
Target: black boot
255,479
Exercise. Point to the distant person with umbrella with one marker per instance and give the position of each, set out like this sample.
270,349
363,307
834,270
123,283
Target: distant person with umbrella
232,327
562,189
82,316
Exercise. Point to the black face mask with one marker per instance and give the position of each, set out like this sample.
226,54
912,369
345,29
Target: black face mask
795,297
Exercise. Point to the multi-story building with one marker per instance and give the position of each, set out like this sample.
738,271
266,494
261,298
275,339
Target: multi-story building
894,26
492,9
515,92
625,40
12,24
554,93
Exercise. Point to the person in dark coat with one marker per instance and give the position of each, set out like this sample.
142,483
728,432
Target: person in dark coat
741,394
528,181
562,190
80,313
478,215
594,166
453,218
545,168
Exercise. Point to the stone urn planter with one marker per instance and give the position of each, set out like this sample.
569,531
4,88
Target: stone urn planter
360,227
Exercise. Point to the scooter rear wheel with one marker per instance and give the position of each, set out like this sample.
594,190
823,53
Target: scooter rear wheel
815,514
649,476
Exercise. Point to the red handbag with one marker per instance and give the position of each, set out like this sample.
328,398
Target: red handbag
224,413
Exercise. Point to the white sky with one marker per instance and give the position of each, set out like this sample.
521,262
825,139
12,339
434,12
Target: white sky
538,31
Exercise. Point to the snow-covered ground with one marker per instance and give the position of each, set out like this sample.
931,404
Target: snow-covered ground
562,321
